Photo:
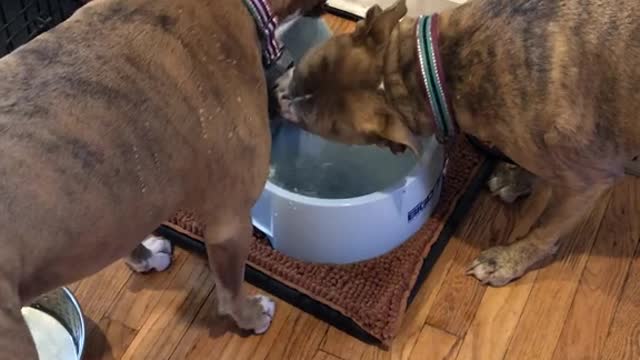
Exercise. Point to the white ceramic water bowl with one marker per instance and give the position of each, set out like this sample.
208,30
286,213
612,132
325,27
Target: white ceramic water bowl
331,203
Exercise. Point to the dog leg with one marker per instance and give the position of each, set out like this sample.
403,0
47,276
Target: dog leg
499,265
154,253
510,182
228,248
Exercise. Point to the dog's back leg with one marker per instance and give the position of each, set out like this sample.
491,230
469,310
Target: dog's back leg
227,248
510,182
154,253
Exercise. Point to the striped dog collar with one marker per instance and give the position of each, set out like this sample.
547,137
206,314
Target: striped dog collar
266,23
275,57
438,102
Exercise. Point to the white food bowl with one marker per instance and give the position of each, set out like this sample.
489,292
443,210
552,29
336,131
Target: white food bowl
332,203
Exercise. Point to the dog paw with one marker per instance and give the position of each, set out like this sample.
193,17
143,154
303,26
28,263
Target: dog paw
154,253
509,182
497,266
268,307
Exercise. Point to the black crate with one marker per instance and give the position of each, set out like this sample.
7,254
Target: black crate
22,20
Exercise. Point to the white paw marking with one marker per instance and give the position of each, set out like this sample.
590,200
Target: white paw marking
159,259
157,244
160,249
268,309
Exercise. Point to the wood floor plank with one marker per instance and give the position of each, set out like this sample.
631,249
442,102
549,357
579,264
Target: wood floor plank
97,293
206,337
435,344
321,355
142,292
339,25
429,293
258,347
500,309
176,309
457,301
342,345
109,341
585,330
496,320
303,333
553,291
215,337
417,312
623,339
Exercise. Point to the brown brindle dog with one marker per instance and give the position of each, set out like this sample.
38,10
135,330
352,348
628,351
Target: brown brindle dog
552,84
111,122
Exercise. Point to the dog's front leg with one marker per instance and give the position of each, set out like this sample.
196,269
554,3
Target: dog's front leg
566,207
227,249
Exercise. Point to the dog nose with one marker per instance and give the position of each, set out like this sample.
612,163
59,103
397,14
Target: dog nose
282,82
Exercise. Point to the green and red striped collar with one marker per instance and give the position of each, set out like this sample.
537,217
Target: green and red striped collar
438,102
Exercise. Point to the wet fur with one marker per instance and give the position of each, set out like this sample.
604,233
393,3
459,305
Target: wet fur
114,120
552,84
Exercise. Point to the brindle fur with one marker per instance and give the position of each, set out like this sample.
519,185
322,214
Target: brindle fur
552,84
114,120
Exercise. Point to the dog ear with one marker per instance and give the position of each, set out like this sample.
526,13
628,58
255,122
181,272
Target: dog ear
364,26
379,23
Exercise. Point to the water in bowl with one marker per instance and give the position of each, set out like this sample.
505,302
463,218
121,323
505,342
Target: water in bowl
309,165
53,341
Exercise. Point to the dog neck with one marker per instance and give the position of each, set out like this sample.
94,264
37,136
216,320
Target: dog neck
464,42
458,37
415,79
432,78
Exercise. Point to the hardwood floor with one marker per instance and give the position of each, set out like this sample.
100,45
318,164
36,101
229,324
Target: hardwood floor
584,305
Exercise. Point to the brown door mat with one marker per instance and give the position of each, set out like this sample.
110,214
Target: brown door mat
367,299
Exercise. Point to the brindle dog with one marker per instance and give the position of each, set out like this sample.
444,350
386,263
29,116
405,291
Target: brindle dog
114,120
552,84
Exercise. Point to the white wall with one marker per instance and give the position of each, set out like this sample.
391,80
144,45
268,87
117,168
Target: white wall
416,7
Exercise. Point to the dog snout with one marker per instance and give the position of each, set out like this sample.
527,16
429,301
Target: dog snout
284,81
283,84
283,94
